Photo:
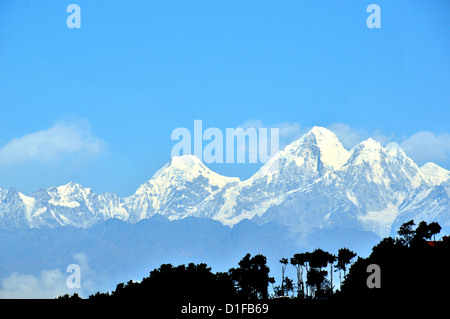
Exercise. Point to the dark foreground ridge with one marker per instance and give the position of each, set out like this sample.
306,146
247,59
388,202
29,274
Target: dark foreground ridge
403,273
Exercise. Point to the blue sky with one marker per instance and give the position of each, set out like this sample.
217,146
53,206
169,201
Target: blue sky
97,105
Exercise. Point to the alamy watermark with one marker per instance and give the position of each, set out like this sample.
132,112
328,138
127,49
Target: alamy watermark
374,279
74,19
233,146
374,19
74,279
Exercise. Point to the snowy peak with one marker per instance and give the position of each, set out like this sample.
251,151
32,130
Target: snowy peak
393,149
435,174
332,152
71,189
187,168
324,137
177,189
314,181
186,163
368,151
384,165
323,143
306,159
15,208
70,195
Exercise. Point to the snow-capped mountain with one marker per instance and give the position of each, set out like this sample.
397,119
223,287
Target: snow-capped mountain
298,165
70,204
176,189
313,182
427,204
435,175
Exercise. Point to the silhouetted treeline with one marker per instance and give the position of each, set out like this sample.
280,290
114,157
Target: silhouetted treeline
411,266
178,284
314,272
184,284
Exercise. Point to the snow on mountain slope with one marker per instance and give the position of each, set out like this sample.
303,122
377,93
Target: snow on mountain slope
305,160
435,174
176,189
364,193
379,175
427,204
13,209
70,204
298,165
69,195
379,179
313,182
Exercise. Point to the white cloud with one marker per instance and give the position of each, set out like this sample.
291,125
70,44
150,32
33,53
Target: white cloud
425,147
62,139
49,284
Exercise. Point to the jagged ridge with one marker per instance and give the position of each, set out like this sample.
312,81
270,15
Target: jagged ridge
313,182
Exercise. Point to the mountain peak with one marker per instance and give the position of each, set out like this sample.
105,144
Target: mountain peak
394,150
371,144
188,168
433,166
186,161
332,152
314,180
320,131
70,187
309,157
367,151
186,165
435,174
183,164
321,136
393,147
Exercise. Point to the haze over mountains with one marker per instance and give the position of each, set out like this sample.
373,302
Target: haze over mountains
313,183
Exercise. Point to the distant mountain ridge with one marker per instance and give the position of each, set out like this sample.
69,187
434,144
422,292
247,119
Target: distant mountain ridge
313,182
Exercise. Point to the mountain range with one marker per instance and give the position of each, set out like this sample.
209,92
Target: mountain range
312,183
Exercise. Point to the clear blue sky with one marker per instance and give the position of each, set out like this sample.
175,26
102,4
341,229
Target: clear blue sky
109,94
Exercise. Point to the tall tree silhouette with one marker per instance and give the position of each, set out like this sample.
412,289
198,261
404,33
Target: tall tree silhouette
284,263
435,228
406,232
307,261
299,261
252,277
344,258
315,279
422,232
316,276
288,285
331,260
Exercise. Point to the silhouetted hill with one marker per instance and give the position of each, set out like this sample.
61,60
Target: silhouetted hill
118,251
